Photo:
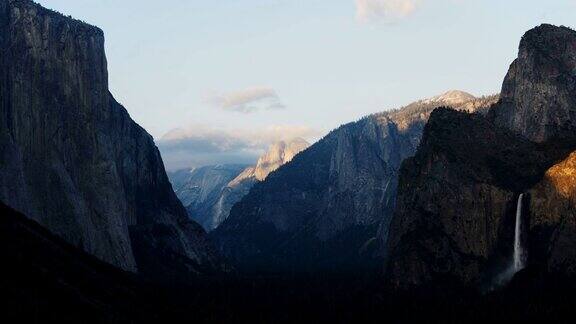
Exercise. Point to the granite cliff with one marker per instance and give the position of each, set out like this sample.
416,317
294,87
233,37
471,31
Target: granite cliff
538,99
457,202
72,159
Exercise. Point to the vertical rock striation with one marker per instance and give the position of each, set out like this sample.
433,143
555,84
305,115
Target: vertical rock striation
70,156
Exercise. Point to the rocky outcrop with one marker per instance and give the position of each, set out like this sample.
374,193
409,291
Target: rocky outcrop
322,211
71,157
538,92
457,200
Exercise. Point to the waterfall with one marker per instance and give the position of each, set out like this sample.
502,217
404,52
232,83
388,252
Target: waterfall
518,251
519,257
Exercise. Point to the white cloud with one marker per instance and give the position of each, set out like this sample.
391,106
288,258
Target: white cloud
384,10
198,145
247,100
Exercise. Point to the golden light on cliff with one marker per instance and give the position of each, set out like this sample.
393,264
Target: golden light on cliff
562,176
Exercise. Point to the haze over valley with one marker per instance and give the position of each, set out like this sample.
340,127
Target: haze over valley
287,161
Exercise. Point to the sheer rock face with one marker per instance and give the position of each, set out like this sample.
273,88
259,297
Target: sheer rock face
71,157
323,210
457,198
539,92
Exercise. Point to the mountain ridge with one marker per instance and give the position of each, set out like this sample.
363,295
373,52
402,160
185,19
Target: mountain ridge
323,210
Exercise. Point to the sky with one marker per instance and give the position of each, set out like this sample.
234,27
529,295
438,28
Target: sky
216,81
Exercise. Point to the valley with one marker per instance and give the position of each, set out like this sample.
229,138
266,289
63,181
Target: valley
456,208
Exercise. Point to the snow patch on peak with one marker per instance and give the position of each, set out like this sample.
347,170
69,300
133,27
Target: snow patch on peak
452,97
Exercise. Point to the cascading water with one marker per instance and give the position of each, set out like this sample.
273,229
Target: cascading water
519,256
518,251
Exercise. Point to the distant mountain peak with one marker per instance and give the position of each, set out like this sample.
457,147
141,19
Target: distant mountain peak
419,111
452,97
278,154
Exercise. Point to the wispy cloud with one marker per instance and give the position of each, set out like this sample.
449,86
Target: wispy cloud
247,100
384,10
199,145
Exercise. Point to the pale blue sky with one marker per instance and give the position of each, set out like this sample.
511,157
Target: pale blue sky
191,64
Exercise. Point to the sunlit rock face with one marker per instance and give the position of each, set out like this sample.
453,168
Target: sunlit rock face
458,196
553,217
70,156
323,210
278,154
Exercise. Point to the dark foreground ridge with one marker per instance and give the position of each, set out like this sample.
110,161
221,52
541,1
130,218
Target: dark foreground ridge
44,279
